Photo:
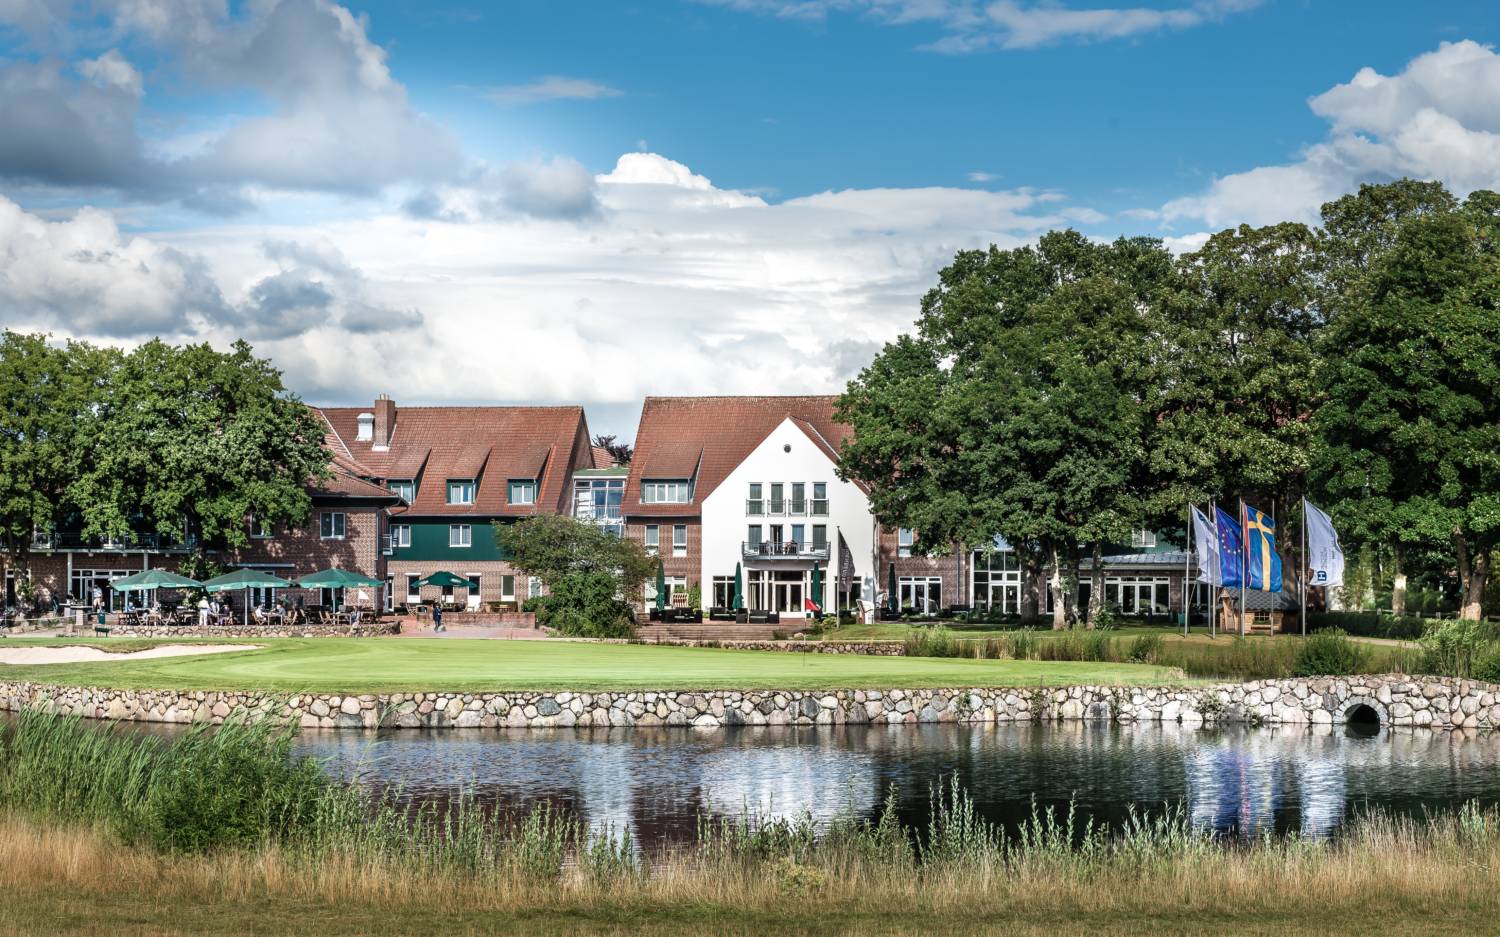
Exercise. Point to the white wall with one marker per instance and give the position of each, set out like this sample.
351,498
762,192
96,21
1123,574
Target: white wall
725,522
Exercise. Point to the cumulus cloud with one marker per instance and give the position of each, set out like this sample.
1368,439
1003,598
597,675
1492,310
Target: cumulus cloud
551,88
1434,120
335,120
977,26
83,276
672,280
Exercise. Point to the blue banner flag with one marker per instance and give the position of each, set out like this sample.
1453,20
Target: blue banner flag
1231,550
1263,569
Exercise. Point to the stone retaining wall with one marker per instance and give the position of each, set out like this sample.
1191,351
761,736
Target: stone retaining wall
1395,699
871,648
250,631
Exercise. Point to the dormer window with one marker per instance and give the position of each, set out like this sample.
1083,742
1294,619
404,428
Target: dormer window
460,491
678,491
366,428
403,488
522,491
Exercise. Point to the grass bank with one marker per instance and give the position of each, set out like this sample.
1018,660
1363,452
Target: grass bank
380,665
82,850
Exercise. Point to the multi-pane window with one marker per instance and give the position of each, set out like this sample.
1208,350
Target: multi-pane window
507,588
1138,595
413,593
679,540
723,592
753,540
820,499
755,504
460,535
997,581
778,498
653,538
533,587
400,535
798,531
820,537
461,491
1143,539
598,500
905,537
259,529
332,525
799,498
523,491
665,492
403,488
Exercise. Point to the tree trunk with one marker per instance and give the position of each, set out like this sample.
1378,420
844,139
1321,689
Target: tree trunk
1473,573
1096,584
1059,597
1031,587
1398,583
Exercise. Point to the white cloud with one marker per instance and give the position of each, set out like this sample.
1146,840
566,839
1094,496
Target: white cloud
84,277
1434,120
335,120
550,88
675,285
976,26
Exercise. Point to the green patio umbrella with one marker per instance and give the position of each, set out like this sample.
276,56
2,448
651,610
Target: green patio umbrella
335,578
738,602
153,579
817,587
445,578
890,591
661,586
245,579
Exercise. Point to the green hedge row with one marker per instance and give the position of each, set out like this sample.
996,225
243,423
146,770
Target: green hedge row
1369,624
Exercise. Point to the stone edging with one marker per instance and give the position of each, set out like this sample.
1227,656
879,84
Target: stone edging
869,648
251,631
1398,700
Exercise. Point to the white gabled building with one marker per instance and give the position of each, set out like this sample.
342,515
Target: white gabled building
781,511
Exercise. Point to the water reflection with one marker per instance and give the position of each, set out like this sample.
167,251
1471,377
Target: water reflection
656,783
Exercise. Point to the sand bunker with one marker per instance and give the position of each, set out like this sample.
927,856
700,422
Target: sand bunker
81,654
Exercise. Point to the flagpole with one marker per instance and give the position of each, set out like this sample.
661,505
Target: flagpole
1302,568
1244,565
1213,613
1187,566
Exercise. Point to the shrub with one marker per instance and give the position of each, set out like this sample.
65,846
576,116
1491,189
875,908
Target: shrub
530,605
1460,648
1369,624
1146,648
932,642
1329,653
1023,644
584,605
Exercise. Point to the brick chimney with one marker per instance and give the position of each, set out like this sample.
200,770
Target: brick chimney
385,422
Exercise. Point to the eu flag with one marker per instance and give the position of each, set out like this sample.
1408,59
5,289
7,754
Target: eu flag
1231,550
1264,564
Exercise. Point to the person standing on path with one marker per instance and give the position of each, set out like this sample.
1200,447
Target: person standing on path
437,617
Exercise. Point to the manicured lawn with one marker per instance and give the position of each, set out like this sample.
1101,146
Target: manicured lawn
405,664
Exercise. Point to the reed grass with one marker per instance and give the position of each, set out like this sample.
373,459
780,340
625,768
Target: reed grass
343,859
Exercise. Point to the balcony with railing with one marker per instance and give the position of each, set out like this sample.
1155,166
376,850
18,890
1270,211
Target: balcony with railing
132,542
781,507
782,550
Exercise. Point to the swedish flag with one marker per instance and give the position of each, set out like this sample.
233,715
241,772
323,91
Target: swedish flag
1262,563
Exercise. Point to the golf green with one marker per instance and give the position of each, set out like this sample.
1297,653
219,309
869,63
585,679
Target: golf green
385,665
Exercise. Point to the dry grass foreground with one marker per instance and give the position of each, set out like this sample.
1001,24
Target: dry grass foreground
1385,877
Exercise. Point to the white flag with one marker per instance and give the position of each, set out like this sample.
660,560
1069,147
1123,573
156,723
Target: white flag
1325,558
1208,549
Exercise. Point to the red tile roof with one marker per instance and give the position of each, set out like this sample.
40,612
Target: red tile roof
490,444
715,434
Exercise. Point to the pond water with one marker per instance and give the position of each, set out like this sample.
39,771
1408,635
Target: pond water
657,782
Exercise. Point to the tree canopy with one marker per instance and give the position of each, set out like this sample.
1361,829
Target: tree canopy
1061,394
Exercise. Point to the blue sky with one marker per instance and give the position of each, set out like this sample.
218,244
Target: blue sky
591,202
